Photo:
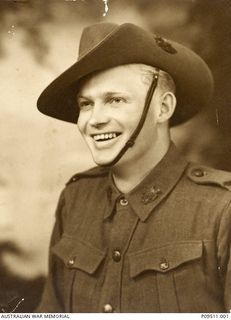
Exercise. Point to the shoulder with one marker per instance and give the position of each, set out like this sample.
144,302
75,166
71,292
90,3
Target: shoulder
203,175
90,174
208,192
90,182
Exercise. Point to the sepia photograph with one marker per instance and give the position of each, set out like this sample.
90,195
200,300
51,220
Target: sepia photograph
115,182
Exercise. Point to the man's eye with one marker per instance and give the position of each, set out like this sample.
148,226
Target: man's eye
116,100
84,105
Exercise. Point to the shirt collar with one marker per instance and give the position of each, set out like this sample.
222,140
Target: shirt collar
154,188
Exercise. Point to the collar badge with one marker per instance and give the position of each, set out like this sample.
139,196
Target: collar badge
150,194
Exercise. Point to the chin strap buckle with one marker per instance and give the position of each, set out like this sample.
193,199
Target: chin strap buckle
130,143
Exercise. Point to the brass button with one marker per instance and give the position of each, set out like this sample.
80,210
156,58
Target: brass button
116,255
123,202
164,265
71,262
198,173
107,308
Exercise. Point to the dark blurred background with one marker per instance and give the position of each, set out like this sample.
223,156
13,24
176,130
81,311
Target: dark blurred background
38,40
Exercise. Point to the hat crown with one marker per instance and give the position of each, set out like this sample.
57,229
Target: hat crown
93,35
107,45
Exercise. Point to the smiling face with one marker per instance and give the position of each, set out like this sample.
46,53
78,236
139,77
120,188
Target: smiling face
111,103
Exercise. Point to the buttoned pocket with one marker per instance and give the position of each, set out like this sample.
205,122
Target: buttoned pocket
164,259
176,271
77,254
82,272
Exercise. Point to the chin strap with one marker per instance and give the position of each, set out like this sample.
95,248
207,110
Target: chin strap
130,143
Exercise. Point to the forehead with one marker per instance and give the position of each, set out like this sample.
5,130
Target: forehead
124,77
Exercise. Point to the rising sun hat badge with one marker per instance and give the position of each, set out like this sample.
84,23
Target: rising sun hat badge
164,44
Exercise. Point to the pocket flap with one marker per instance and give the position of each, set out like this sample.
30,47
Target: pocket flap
165,258
78,254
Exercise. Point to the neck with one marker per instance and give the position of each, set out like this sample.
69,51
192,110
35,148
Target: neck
127,175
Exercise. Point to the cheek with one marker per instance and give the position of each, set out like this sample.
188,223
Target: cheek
132,118
82,122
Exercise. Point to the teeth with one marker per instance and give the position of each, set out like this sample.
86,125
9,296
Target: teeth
97,137
104,136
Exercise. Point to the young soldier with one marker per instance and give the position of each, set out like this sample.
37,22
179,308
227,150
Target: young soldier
144,231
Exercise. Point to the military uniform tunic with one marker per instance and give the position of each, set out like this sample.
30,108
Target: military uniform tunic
163,247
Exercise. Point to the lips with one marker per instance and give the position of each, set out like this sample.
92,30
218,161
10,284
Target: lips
105,136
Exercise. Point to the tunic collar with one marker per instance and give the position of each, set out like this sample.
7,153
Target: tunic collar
153,188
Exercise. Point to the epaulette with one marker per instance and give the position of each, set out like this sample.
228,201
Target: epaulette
209,176
93,172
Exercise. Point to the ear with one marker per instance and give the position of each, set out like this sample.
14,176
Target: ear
167,107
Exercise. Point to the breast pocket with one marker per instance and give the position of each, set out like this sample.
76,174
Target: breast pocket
178,272
81,264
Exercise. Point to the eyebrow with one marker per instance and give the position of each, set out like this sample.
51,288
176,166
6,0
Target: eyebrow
110,93
105,94
79,96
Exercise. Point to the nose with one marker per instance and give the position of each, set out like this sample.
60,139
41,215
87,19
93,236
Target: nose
98,116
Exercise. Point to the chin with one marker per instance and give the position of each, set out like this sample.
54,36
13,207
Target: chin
103,162
103,159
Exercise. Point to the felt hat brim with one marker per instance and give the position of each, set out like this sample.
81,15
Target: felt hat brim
128,44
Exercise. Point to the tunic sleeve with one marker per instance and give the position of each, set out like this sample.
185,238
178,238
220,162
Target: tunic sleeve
224,254
51,298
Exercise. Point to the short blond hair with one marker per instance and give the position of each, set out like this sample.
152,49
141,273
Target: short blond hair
165,80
